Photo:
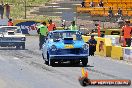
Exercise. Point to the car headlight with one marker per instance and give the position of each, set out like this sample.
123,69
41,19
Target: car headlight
23,39
85,47
53,48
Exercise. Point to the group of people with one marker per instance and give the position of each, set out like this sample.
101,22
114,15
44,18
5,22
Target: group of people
111,14
92,4
43,30
3,8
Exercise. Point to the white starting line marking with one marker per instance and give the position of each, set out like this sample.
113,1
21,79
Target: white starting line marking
15,58
54,3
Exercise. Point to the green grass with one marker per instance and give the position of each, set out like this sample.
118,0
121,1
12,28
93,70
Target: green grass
18,7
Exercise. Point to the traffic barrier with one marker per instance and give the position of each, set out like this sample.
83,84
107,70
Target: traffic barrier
127,54
28,26
117,52
114,39
86,38
103,47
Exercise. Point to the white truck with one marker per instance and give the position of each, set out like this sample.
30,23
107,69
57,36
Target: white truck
11,36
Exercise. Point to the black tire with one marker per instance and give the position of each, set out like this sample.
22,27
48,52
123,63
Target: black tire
23,46
85,62
50,62
17,47
84,82
47,62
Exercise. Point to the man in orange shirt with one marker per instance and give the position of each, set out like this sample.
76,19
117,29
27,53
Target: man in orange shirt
127,31
10,23
51,26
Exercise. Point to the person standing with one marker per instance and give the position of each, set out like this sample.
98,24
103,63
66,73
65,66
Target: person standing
51,26
126,32
92,45
10,23
7,10
73,26
42,31
2,10
110,13
83,4
101,4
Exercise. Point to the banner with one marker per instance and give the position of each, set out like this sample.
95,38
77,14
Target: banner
28,26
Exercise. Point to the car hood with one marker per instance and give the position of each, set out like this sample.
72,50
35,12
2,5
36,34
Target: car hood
61,45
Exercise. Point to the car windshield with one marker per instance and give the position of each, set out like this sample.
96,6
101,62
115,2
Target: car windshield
5,29
67,34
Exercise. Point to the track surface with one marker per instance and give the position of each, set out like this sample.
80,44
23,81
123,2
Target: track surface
26,69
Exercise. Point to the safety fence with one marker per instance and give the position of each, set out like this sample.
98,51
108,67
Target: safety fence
110,46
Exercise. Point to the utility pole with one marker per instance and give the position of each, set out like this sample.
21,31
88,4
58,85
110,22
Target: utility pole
25,2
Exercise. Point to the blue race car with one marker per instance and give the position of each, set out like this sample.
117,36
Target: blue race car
65,45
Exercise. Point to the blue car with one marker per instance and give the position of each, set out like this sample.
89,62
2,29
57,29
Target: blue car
65,45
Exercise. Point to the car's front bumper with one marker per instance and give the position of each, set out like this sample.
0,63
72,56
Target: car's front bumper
69,56
5,44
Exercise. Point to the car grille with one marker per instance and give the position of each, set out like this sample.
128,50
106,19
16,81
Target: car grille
10,39
69,51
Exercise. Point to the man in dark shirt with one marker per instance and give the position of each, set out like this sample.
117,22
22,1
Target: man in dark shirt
2,10
110,12
119,13
92,45
101,4
83,4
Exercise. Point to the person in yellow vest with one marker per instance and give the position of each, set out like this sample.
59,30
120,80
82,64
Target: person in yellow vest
73,26
42,31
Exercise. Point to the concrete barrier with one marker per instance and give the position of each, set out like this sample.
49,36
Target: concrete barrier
117,52
104,47
127,54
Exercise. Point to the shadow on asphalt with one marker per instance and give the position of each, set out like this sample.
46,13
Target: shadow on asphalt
69,65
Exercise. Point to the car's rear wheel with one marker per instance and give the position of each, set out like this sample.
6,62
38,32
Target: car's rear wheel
84,61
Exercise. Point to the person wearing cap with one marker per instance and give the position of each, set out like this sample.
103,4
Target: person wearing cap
42,31
92,45
10,23
126,32
73,26
51,26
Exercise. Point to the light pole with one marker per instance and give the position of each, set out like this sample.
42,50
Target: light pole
25,2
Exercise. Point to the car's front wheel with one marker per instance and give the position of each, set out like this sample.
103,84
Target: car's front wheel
84,61
50,61
23,46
